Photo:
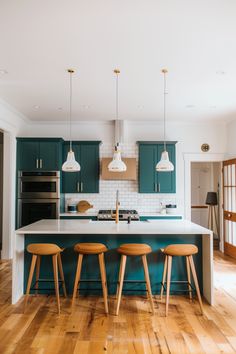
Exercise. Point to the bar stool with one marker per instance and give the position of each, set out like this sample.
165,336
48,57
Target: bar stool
184,250
45,249
87,249
133,249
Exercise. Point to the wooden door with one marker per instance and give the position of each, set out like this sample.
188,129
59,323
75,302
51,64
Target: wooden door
229,185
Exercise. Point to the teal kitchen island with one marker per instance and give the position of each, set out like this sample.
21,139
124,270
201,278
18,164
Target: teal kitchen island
156,233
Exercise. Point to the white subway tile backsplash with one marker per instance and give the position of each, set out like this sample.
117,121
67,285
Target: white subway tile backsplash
129,196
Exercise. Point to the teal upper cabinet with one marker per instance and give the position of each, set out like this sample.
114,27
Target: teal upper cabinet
35,154
87,180
151,181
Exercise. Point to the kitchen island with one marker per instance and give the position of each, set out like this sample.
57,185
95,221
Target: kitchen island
156,233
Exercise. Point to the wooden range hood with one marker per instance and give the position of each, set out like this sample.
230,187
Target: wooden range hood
129,174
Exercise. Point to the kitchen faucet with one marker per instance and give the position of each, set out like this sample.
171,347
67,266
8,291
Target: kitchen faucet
117,206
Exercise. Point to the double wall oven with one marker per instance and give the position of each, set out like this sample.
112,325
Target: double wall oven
38,196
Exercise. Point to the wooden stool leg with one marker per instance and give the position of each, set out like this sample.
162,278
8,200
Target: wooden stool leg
37,274
103,277
77,277
192,266
164,277
169,265
61,274
31,273
189,279
122,273
118,283
55,273
148,284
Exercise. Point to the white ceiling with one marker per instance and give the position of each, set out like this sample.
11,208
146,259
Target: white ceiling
195,40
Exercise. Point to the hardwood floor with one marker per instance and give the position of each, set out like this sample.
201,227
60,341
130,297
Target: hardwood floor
88,330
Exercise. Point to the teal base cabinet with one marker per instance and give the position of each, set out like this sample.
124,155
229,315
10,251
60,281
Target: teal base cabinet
78,217
86,180
134,269
39,154
151,181
161,217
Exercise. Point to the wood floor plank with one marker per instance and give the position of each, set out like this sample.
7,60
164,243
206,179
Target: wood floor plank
86,329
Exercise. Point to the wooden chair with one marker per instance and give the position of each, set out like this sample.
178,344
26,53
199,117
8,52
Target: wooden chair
133,249
45,249
186,250
87,249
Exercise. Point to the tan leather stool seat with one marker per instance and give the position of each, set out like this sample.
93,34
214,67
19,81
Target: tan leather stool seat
134,249
43,249
180,250
90,248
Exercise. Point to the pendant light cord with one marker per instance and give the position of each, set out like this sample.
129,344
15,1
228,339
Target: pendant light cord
70,108
165,93
117,100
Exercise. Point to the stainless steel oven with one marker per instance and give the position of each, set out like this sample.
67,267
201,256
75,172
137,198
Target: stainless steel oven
31,210
38,196
43,184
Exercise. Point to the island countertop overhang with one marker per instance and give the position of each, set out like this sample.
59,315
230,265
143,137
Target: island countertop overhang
152,227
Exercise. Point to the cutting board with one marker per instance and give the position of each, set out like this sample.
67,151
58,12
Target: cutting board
83,206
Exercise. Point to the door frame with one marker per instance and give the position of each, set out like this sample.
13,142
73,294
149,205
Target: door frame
200,157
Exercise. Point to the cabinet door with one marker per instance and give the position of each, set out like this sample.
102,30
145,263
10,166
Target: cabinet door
71,180
28,155
89,182
49,156
147,171
166,180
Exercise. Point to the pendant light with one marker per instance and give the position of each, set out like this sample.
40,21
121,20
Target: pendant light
117,165
70,165
164,165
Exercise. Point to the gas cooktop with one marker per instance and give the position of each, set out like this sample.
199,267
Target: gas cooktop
124,214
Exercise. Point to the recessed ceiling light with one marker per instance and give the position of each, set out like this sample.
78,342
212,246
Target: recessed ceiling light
59,108
85,106
36,107
190,106
3,71
140,106
220,72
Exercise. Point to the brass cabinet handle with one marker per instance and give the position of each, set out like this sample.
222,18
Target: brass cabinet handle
37,163
155,187
41,163
159,187
78,187
81,187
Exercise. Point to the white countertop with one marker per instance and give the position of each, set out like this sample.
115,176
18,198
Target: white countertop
155,227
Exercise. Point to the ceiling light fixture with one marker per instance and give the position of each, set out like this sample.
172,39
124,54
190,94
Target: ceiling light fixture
3,71
70,165
117,165
164,165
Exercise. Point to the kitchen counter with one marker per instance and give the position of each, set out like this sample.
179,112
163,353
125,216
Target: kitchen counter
141,214
151,227
157,233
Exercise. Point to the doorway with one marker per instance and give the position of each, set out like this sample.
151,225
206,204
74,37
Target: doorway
205,178
1,188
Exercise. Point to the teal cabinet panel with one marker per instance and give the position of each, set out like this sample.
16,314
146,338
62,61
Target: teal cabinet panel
151,181
147,172
161,217
28,155
166,180
89,168
71,180
67,217
50,158
35,154
87,180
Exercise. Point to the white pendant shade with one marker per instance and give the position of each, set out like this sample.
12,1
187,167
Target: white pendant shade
164,165
117,165
71,165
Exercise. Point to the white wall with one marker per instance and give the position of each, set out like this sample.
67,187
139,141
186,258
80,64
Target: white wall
12,124
231,139
189,137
